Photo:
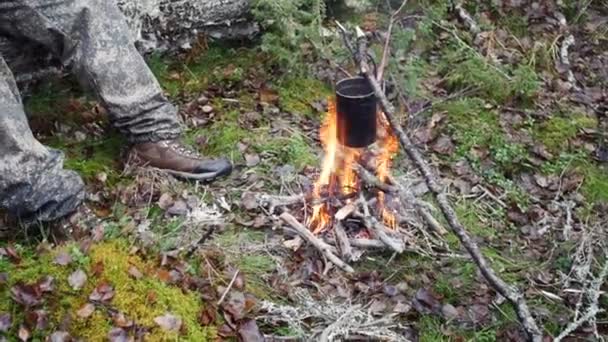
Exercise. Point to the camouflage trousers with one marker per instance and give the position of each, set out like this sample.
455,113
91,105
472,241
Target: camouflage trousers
91,39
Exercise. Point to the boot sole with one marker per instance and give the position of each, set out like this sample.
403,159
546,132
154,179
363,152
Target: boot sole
208,176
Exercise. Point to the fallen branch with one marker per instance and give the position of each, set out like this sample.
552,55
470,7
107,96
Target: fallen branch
323,247
511,293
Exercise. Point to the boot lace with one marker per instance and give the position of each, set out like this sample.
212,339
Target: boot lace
182,149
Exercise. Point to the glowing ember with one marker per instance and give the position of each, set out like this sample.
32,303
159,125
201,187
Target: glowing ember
338,176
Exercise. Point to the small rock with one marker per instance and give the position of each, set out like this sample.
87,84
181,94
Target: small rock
60,336
165,201
252,159
207,109
80,136
449,311
202,100
179,208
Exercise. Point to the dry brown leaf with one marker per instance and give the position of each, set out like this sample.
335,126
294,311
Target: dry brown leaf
135,273
169,322
63,259
86,311
5,322
77,279
24,333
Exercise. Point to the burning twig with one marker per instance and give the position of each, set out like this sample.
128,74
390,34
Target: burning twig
510,292
323,247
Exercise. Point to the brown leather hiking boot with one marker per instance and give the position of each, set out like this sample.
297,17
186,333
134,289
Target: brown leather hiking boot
178,160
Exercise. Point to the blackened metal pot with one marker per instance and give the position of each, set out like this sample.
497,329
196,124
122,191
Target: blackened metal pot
356,107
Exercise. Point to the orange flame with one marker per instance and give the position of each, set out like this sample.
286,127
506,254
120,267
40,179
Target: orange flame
388,148
338,176
337,173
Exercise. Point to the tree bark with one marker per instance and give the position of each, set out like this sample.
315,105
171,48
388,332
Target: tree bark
156,25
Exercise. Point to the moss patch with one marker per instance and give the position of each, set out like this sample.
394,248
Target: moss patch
556,132
91,157
218,65
141,300
471,124
595,186
464,68
297,94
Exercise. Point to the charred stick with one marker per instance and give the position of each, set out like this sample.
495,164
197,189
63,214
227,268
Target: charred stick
323,247
342,241
378,229
510,292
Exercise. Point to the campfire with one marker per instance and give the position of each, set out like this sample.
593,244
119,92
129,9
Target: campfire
339,177
355,203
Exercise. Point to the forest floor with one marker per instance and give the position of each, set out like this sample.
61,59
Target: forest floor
514,142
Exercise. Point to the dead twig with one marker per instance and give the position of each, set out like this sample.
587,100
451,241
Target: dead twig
510,292
421,208
342,241
564,58
274,201
387,42
467,19
236,273
323,247
593,309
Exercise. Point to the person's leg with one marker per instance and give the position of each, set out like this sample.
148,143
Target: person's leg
92,37
33,184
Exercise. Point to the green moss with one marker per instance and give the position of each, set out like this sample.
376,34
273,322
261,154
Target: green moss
471,124
464,272
516,24
219,65
167,74
468,215
595,186
132,297
464,68
297,94
91,157
430,330
223,136
292,150
556,132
